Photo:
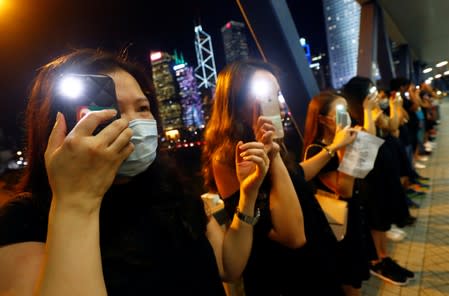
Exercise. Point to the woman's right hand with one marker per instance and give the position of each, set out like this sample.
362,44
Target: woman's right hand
370,102
80,166
344,137
252,163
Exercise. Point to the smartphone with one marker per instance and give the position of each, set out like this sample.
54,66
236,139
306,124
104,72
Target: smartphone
79,94
270,108
342,117
372,92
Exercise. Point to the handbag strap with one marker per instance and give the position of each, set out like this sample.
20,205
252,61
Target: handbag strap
308,147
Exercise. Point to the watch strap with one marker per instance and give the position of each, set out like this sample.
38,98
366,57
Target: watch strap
248,219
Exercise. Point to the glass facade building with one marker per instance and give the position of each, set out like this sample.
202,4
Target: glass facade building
165,84
192,113
235,41
342,22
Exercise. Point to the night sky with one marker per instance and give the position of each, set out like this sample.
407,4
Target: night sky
32,32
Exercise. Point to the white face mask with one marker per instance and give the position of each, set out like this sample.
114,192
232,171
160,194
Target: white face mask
145,144
384,103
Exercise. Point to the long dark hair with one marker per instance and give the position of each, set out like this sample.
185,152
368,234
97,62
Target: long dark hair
355,92
229,123
41,110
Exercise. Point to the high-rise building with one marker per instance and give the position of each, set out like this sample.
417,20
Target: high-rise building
192,113
234,41
320,70
166,94
342,22
205,72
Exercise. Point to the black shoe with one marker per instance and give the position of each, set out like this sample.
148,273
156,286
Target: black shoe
393,265
410,220
388,273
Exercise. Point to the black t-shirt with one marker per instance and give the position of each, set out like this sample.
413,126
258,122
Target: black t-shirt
331,165
152,242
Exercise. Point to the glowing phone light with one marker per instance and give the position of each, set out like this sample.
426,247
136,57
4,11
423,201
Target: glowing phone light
71,87
340,107
260,88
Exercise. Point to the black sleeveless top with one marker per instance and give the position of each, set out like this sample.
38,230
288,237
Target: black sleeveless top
152,237
274,269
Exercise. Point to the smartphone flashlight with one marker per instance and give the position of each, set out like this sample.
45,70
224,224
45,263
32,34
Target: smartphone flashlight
268,100
78,94
71,87
260,88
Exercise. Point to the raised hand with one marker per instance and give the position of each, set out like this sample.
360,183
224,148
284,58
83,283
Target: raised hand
264,131
81,167
252,163
370,102
344,137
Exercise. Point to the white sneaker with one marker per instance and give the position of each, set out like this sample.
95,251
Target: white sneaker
420,165
422,158
395,234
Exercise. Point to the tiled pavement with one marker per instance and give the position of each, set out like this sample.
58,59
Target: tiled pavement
425,250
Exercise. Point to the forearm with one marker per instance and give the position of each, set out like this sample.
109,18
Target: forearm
368,122
238,241
286,212
312,166
73,259
393,123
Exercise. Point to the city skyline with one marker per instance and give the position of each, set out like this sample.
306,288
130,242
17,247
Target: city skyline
34,36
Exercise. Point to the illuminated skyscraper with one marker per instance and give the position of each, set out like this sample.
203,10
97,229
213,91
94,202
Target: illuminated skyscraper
342,21
205,72
192,114
165,85
234,41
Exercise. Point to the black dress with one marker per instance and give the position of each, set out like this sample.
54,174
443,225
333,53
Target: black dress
152,243
352,255
273,269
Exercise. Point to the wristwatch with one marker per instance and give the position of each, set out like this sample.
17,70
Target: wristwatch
248,219
329,151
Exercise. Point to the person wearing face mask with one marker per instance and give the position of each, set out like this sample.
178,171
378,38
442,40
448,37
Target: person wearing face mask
107,213
294,247
320,128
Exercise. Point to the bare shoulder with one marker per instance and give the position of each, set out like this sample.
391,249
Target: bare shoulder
20,266
225,178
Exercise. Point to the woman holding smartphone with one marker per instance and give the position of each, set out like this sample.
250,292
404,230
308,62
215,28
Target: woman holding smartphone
294,247
321,125
108,213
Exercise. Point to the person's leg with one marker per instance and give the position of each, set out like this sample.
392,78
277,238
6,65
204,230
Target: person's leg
380,242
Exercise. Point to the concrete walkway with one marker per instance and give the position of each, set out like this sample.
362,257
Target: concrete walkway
426,247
